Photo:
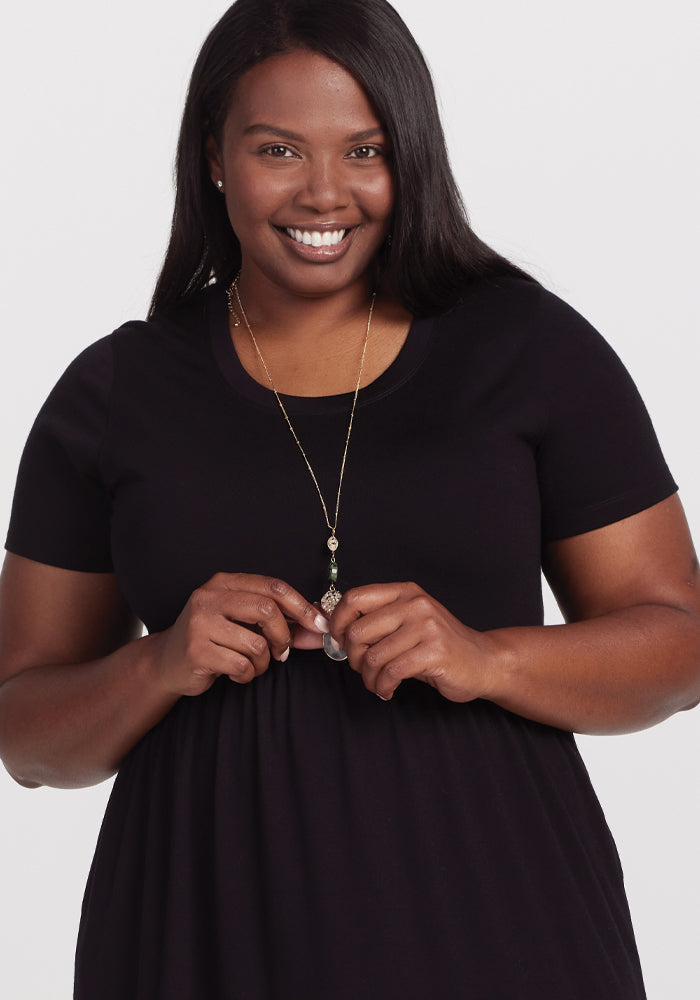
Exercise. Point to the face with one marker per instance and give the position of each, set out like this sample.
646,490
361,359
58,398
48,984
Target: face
305,165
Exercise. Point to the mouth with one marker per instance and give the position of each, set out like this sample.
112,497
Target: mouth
316,237
318,246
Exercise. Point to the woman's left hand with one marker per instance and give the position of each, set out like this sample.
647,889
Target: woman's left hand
392,631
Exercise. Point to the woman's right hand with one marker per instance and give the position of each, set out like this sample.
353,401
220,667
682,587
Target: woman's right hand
79,686
231,626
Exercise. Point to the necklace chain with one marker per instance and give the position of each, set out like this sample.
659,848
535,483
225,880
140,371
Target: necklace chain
332,541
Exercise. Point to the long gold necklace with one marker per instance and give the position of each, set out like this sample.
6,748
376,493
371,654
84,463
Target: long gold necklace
332,596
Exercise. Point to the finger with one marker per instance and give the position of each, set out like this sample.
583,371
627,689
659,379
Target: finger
232,608
290,601
304,638
367,630
408,663
364,600
369,661
237,638
232,663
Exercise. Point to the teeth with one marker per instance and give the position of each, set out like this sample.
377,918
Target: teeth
314,238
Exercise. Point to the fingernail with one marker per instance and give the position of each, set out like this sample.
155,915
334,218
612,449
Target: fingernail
321,623
383,698
285,656
335,645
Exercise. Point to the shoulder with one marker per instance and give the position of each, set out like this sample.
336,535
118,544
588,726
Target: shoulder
514,306
519,320
137,345
182,326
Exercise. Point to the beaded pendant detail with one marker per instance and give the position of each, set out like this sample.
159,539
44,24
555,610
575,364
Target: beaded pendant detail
330,600
332,596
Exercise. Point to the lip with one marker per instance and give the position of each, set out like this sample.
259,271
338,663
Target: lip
323,254
320,227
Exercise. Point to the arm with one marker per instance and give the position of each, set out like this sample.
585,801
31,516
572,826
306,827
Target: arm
77,687
628,657
70,669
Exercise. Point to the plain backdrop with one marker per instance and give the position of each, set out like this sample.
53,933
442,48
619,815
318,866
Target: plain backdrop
573,133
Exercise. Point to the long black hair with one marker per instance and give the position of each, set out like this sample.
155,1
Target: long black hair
433,251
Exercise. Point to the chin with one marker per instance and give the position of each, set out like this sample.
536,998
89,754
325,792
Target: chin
318,280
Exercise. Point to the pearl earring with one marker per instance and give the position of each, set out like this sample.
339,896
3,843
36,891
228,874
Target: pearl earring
220,185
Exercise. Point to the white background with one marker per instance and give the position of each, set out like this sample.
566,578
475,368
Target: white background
573,132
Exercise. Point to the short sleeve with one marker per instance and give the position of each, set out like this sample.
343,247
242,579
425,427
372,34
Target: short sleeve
61,507
598,458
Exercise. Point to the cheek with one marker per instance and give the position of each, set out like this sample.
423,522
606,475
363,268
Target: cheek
252,198
378,196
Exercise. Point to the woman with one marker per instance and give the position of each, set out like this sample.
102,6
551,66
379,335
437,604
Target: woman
290,834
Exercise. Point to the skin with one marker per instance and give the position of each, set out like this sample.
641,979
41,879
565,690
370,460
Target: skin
309,317
79,687
628,657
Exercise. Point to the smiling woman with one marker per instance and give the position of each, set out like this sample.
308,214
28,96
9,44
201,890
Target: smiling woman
347,427
286,201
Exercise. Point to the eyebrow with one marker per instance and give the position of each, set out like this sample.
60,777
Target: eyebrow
283,133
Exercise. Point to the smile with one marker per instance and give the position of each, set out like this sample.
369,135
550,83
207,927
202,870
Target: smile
314,238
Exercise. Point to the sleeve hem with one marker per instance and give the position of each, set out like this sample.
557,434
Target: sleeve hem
59,561
609,511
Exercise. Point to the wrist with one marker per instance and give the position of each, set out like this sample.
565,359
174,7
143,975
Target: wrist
150,666
501,664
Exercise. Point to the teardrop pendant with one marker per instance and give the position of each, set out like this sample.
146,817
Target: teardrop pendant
330,601
334,654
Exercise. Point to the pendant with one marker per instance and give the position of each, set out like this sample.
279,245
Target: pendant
330,600
334,654
329,603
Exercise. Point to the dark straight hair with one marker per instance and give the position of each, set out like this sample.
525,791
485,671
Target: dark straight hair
433,251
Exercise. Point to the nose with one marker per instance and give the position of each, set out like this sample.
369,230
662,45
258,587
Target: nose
325,187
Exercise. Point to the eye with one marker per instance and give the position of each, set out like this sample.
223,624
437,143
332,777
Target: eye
365,152
278,151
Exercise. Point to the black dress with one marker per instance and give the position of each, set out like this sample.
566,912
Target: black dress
296,838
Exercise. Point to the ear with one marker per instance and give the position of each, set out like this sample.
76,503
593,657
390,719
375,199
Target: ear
213,155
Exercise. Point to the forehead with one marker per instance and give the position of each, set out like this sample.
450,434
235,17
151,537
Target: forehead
300,90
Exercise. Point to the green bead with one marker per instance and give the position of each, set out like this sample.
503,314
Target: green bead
333,571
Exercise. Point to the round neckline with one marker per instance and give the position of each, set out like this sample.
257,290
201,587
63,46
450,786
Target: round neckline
406,362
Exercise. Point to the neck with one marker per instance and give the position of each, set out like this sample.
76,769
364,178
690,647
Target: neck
312,346
277,314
